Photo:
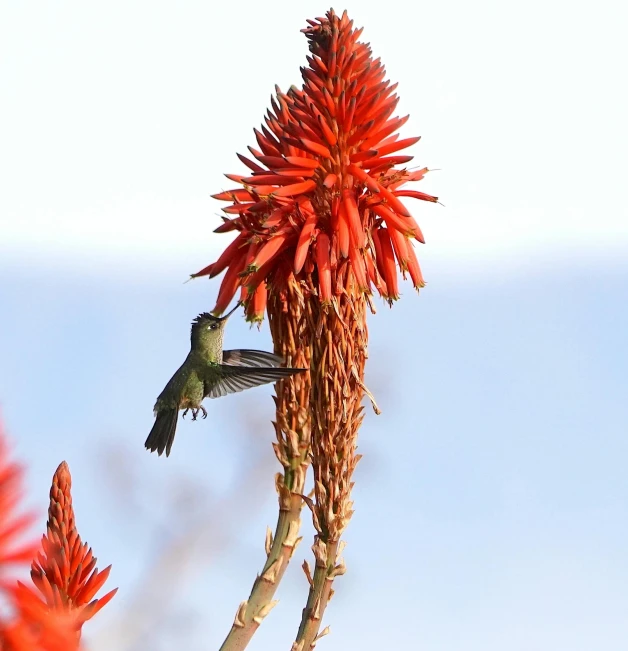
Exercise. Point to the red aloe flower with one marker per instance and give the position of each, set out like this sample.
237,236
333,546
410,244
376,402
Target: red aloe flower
324,189
320,223
12,526
35,627
65,571
32,626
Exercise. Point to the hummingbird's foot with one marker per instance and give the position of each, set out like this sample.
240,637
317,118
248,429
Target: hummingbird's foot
195,412
185,412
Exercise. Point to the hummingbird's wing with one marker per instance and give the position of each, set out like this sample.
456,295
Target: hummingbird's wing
255,358
231,379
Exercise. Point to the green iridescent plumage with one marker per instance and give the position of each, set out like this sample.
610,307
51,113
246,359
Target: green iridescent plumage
209,372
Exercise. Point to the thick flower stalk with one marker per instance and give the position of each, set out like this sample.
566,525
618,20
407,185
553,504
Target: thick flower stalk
320,226
292,427
59,571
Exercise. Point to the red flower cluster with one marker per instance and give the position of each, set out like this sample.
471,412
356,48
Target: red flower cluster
65,569
63,572
324,189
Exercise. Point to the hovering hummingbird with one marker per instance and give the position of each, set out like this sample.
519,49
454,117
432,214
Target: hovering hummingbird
209,372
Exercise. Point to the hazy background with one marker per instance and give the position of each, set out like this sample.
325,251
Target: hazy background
491,502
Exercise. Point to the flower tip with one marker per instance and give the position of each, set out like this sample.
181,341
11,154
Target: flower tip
255,320
205,271
98,604
330,180
62,474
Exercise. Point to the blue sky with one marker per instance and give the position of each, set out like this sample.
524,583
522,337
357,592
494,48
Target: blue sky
491,502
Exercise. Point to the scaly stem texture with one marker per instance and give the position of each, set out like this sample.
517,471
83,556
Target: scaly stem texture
292,428
336,396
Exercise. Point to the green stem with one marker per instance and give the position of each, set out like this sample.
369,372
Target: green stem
321,591
279,549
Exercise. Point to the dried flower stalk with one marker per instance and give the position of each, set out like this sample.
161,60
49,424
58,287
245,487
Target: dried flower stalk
292,427
337,414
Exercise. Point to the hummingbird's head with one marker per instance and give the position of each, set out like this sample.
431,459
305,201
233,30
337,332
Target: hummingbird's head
208,328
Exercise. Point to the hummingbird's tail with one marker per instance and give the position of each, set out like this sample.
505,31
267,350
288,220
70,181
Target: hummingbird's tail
161,436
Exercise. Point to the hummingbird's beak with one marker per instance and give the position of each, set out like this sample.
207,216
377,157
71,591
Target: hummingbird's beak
224,318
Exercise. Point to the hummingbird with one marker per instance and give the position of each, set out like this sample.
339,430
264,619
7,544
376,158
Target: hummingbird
209,372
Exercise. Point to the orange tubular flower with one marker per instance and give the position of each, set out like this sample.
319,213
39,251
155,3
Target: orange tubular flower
33,626
12,526
324,183
63,574
320,223
64,571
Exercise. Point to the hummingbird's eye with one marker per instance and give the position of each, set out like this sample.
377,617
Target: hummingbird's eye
212,326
